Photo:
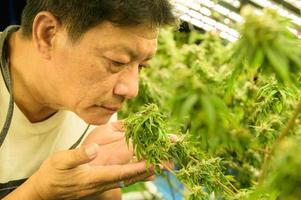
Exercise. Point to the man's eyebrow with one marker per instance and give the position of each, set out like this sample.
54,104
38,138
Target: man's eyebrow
134,55
130,52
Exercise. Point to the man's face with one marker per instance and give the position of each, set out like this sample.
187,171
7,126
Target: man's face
93,76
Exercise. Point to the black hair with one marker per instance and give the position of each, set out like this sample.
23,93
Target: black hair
81,15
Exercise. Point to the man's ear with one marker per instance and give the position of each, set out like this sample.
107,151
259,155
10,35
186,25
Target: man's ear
44,29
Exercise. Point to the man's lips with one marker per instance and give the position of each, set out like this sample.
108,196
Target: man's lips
111,108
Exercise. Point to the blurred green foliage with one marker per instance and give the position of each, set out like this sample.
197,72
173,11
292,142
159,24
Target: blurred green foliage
232,101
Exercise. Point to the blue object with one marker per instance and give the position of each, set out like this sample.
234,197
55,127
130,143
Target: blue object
167,189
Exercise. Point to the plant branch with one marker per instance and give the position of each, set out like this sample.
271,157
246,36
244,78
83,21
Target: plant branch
284,132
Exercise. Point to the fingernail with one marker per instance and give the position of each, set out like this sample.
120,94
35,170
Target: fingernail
173,137
91,150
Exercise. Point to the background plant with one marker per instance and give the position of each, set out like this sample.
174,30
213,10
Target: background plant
237,103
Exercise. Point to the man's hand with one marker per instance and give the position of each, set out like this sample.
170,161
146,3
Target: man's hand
67,175
112,145
112,150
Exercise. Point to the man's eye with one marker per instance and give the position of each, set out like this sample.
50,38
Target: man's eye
117,64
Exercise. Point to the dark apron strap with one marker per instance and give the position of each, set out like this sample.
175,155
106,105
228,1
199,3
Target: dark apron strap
80,139
6,75
6,188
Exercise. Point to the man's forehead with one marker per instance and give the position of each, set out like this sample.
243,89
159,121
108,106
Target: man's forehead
147,51
132,40
144,31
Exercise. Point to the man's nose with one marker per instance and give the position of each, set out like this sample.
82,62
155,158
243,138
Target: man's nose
128,84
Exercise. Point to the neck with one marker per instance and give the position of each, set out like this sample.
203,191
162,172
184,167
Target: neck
25,84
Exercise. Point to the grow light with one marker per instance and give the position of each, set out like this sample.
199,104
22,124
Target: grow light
213,26
217,25
198,13
283,12
295,3
234,3
222,10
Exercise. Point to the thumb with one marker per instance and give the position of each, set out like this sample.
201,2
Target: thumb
73,158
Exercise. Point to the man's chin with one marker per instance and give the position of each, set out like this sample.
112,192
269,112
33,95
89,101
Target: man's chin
97,120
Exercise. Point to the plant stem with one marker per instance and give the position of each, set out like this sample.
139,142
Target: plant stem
284,132
229,191
173,173
232,186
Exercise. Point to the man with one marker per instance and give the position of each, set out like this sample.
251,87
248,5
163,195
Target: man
70,64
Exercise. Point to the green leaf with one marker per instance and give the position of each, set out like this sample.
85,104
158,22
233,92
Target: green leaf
279,63
188,104
209,113
256,62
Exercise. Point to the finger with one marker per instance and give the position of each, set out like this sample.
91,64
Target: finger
168,165
174,138
100,186
151,178
115,173
139,178
72,158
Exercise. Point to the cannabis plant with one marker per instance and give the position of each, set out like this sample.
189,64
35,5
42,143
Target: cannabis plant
235,106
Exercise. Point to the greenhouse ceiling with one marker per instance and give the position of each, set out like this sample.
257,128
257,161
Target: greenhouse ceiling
221,15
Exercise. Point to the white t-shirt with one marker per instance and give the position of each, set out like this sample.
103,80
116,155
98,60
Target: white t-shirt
28,144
